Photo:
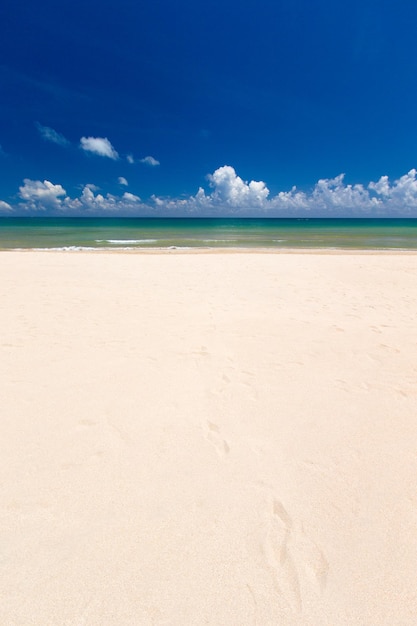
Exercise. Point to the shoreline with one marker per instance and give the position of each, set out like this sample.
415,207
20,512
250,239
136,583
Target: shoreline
201,250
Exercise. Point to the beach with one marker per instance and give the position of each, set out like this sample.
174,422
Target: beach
192,438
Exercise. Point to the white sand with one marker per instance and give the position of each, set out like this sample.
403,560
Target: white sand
224,439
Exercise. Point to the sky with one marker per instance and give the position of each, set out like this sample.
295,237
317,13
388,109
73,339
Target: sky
266,108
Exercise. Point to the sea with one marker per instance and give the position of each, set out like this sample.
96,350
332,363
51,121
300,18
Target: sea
62,233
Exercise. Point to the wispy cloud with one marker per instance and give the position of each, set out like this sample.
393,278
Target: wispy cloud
122,181
100,146
228,195
5,207
149,160
49,134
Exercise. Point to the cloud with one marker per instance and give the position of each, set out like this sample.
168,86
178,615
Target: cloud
332,197
100,146
229,195
401,192
122,181
329,197
131,197
49,134
92,187
232,190
90,204
40,195
149,160
5,207
51,199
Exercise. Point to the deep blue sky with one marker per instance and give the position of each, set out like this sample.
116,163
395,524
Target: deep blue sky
284,92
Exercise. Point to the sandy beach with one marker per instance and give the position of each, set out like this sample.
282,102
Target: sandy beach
223,439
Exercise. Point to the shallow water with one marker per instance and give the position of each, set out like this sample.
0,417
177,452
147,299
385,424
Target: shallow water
131,233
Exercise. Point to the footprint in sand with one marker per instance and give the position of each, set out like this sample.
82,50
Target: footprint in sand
280,560
299,566
376,329
387,347
315,564
213,435
231,379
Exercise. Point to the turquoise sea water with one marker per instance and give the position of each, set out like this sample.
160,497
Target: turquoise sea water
126,233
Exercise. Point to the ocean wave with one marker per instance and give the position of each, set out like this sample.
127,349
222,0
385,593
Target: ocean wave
217,240
125,242
63,249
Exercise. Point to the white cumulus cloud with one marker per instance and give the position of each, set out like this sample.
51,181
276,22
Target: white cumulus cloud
45,197
100,146
149,160
41,195
229,195
130,159
122,181
49,134
402,192
230,189
90,203
329,196
332,197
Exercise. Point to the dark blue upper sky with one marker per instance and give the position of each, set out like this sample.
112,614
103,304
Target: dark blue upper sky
284,92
